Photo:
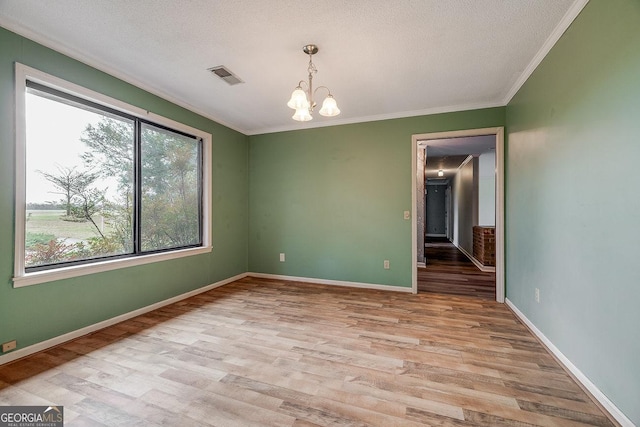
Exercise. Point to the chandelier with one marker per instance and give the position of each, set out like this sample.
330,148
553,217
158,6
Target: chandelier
302,99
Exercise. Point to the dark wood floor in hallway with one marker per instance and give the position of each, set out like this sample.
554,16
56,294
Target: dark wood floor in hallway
449,271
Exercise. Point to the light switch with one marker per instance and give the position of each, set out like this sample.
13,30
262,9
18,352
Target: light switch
407,215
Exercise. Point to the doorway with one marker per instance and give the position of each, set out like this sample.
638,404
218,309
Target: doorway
418,191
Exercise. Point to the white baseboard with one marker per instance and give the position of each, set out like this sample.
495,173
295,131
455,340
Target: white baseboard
592,388
26,351
435,235
421,264
582,378
332,282
481,267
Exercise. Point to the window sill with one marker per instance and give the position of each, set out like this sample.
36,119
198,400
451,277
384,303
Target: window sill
38,277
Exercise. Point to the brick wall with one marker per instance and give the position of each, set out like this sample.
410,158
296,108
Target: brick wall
484,245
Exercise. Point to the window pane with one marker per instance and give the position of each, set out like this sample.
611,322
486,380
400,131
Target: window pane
170,193
79,181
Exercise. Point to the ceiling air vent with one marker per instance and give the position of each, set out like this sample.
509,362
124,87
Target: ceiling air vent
226,75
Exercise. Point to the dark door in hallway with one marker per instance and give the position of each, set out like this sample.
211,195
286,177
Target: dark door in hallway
449,271
436,212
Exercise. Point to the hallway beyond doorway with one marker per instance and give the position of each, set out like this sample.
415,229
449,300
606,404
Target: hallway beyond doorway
449,271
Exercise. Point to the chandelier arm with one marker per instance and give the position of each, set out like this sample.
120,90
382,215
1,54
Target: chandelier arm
320,87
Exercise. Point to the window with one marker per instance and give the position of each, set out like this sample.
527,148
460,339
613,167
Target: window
101,184
170,189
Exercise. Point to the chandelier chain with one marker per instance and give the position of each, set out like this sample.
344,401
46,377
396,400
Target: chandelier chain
312,68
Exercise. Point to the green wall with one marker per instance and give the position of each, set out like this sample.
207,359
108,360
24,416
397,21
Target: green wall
332,198
36,313
573,198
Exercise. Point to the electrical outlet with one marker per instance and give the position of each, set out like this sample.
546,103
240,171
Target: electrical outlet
282,257
386,264
9,345
537,295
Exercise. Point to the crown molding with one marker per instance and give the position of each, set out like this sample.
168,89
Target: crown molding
96,63
379,117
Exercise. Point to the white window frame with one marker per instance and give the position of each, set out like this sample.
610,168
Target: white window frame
21,277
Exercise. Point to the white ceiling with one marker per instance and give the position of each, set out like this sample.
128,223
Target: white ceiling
380,58
474,145
447,154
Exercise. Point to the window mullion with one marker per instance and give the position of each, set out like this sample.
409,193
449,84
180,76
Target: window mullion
200,190
137,185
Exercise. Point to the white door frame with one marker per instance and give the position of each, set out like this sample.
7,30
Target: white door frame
499,133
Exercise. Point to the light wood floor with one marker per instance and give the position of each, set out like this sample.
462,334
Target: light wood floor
449,271
270,353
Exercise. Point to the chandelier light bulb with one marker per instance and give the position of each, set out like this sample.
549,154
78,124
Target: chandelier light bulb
298,99
302,115
329,107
